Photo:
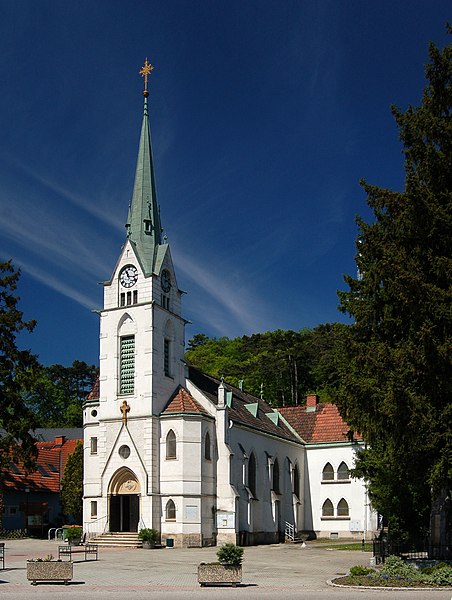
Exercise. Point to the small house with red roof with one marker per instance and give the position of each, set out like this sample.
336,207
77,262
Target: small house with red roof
32,500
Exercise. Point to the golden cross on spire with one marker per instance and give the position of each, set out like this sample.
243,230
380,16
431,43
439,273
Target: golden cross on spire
145,71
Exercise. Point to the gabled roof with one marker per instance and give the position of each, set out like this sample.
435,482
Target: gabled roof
244,409
318,424
183,402
50,464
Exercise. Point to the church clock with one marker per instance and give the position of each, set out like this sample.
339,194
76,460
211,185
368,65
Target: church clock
128,276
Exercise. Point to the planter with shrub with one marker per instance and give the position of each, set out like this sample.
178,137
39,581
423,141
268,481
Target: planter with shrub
227,570
148,537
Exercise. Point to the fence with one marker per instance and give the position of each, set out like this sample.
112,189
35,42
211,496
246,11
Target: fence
382,548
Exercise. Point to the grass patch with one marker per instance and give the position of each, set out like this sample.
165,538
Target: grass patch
355,546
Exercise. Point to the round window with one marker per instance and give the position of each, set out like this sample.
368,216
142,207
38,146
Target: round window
124,451
94,413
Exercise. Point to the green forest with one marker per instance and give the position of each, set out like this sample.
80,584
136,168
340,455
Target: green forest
279,366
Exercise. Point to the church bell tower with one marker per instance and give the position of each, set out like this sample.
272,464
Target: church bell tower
140,361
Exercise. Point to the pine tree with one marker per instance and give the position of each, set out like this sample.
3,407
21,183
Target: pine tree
396,384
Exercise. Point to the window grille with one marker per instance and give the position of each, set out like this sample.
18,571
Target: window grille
127,365
166,357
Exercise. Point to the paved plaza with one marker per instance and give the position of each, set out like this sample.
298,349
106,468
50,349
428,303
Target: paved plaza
276,571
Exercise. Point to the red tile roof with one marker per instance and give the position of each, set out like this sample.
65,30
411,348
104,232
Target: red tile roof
183,402
50,464
322,425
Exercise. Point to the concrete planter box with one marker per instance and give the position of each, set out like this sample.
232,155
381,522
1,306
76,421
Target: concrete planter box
213,573
49,571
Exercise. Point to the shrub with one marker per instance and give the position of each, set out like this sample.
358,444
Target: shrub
397,568
148,535
361,570
230,554
73,533
440,574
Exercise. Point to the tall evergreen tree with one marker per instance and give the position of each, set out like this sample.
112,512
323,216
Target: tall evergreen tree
396,383
72,485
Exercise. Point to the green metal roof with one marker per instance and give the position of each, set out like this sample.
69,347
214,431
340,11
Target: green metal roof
143,222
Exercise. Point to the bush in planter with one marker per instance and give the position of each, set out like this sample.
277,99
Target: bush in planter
73,534
230,554
148,535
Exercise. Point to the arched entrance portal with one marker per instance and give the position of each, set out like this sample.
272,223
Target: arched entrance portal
124,501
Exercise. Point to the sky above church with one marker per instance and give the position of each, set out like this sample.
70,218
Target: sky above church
265,115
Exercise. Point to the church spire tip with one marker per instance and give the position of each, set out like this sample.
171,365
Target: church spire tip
145,71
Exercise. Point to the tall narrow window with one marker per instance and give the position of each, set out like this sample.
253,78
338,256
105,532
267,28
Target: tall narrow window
342,508
252,474
122,299
127,364
170,511
93,445
296,481
93,509
343,472
207,454
328,509
328,473
171,444
166,357
276,476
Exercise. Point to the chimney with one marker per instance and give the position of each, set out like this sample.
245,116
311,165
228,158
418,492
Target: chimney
312,400
59,440
221,394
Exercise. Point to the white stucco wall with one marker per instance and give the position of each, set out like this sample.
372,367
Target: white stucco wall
361,519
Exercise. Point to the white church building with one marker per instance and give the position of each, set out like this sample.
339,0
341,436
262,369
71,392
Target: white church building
171,448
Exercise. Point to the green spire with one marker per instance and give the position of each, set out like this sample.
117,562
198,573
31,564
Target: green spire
143,222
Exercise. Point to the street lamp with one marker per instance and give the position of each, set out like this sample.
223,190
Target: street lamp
27,491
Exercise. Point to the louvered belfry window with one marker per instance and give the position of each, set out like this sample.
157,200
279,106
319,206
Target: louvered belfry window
127,365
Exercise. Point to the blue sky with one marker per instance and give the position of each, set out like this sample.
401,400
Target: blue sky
264,117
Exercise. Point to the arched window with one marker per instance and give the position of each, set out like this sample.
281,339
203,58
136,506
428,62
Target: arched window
171,444
327,509
296,481
170,511
343,472
252,474
328,473
342,508
207,454
276,476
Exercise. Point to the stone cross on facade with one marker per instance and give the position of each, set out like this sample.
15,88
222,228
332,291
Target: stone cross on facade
124,408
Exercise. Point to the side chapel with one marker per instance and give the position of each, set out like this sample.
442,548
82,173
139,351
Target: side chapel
169,447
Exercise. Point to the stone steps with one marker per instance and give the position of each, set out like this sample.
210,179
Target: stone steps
118,540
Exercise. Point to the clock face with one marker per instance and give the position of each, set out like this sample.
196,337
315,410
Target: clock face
166,281
128,276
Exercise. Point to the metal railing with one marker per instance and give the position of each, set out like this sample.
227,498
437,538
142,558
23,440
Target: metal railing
382,548
289,531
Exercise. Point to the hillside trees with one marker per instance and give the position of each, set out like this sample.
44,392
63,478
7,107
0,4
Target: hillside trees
282,365
57,393
395,381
